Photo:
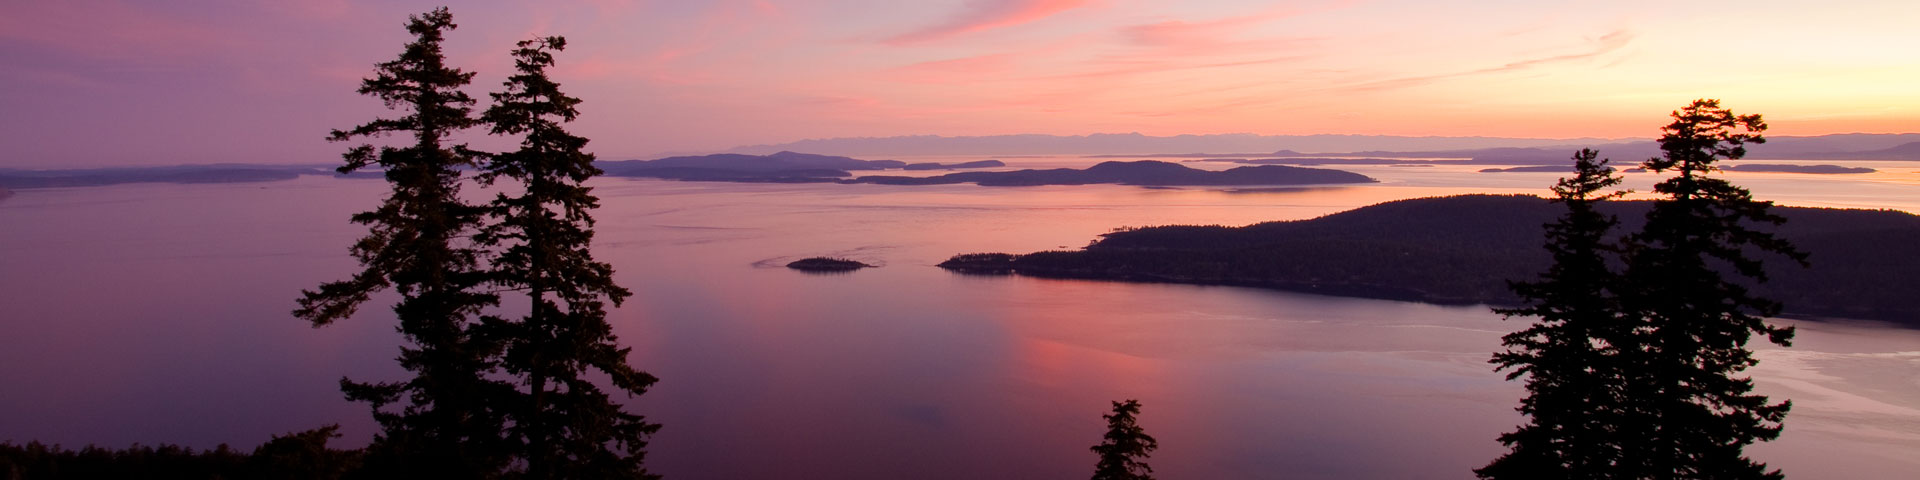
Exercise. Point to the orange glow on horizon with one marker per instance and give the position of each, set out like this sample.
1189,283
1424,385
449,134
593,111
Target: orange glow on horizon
684,77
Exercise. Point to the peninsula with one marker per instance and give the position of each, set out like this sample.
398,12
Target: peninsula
1464,250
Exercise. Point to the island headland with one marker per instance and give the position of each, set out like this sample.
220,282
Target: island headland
1464,250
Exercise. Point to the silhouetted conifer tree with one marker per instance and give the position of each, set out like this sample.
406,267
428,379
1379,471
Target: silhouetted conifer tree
568,427
418,245
1126,446
1631,375
1568,355
1688,273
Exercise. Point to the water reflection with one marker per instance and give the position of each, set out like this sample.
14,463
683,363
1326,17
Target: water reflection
158,313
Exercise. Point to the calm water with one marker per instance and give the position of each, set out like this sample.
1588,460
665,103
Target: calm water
158,313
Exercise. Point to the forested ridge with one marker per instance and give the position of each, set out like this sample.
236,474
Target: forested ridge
1464,249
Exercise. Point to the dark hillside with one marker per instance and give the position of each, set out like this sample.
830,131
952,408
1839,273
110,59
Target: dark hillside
1464,249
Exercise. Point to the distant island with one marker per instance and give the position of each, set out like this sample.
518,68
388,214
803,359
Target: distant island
955,166
1532,168
1136,143
1464,249
787,167
1142,173
1785,168
782,167
93,177
790,167
1480,150
826,264
1324,161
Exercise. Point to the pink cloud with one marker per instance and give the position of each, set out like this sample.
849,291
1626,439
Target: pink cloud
1221,36
958,70
314,9
55,78
1604,45
110,30
767,8
979,15
1180,34
1125,68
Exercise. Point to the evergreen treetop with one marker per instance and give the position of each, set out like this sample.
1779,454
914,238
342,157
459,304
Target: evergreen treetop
417,244
566,425
1125,447
1689,272
1569,355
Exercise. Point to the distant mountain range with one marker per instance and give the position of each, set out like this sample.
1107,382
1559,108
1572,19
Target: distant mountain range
221,173
792,167
1148,173
1828,147
745,164
1854,146
1134,143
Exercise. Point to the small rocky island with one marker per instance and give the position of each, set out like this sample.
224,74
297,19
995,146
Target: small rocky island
826,264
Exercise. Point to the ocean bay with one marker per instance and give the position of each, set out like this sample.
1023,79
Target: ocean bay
900,371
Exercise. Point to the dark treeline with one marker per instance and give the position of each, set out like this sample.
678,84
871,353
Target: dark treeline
93,177
295,456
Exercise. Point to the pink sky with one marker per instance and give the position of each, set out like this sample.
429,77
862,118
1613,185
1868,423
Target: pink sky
97,83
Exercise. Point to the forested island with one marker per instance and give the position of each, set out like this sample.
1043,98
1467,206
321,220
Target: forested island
1748,167
1143,173
954,166
790,167
1786,168
1464,250
93,177
1531,168
1328,161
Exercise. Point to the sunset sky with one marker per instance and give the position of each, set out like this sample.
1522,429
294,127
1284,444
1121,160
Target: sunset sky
97,83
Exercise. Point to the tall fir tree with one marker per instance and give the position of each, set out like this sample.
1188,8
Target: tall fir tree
568,426
1569,354
418,245
1688,275
1126,446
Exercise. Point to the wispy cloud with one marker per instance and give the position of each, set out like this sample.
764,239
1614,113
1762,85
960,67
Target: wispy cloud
957,70
1187,35
1603,45
979,15
110,30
